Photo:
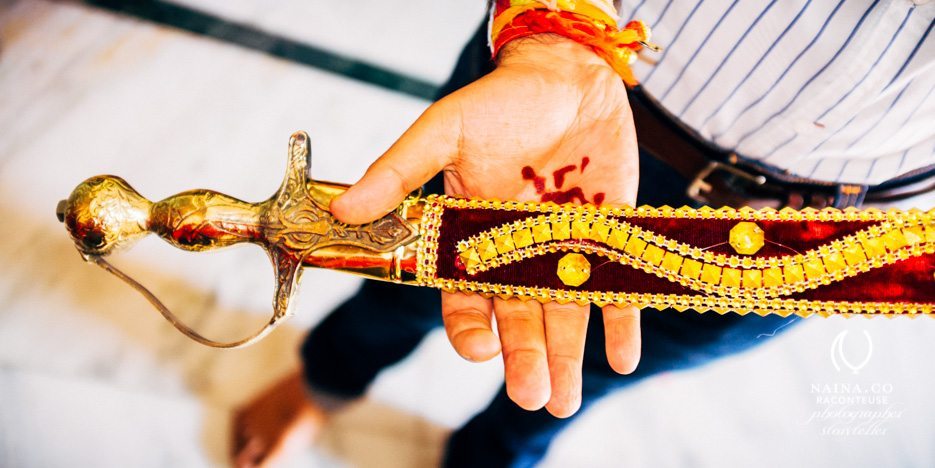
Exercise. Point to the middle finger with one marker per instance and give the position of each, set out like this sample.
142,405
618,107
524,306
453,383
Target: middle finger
522,339
566,327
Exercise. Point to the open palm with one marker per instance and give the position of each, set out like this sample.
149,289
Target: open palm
551,123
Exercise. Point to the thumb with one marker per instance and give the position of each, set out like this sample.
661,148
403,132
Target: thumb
429,145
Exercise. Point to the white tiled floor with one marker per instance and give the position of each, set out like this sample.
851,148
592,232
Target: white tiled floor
90,376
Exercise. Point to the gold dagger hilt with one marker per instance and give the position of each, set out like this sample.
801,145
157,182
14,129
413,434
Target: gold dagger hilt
104,214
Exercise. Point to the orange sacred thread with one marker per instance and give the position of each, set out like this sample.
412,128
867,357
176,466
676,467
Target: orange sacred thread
618,47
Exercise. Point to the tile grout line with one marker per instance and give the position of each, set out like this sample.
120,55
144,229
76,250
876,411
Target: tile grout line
244,35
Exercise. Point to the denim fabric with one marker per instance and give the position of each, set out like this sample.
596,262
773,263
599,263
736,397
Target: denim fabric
383,323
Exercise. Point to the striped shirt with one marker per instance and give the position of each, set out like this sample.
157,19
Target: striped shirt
833,90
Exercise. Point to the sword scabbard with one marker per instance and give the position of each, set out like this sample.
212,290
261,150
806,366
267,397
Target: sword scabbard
767,261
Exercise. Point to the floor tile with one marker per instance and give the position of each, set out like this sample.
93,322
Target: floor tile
90,375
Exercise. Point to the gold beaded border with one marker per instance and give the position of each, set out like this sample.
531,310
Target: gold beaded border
705,212
699,303
427,245
819,266
427,256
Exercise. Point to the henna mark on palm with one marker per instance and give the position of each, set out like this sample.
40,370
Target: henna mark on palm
558,180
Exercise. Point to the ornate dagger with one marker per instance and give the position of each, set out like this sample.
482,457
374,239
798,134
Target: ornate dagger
765,261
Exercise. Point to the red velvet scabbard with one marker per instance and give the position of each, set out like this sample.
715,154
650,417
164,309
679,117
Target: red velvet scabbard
768,262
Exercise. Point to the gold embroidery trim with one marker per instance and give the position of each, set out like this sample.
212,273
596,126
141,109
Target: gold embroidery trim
724,275
748,285
427,245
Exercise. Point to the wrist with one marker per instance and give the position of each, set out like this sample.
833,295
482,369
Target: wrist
557,52
617,47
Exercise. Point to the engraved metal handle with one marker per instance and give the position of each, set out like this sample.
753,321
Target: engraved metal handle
105,214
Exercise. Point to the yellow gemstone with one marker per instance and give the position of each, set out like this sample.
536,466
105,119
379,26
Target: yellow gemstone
504,243
691,268
711,273
574,269
752,278
894,240
470,258
854,255
793,273
599,232
914,235
930,233
873,247
672,261
834,261
813,268
486,249
522,238
731,277
746,238
635,246
617,238
542,233
772,276
653,254
580,229
561,230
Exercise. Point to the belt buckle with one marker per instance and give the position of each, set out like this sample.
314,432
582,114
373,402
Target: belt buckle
700,186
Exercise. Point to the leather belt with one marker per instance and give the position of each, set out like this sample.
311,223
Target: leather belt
721,178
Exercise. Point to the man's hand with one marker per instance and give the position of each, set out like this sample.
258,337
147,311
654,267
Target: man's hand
552,122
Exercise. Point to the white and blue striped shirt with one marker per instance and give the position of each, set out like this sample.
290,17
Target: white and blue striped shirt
831,90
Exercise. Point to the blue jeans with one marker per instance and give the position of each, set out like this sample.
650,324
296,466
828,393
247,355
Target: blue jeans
383,323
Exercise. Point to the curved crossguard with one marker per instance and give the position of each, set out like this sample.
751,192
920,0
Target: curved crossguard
764,261
104,214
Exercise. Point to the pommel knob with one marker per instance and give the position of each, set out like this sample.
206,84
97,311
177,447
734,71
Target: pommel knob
104,214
